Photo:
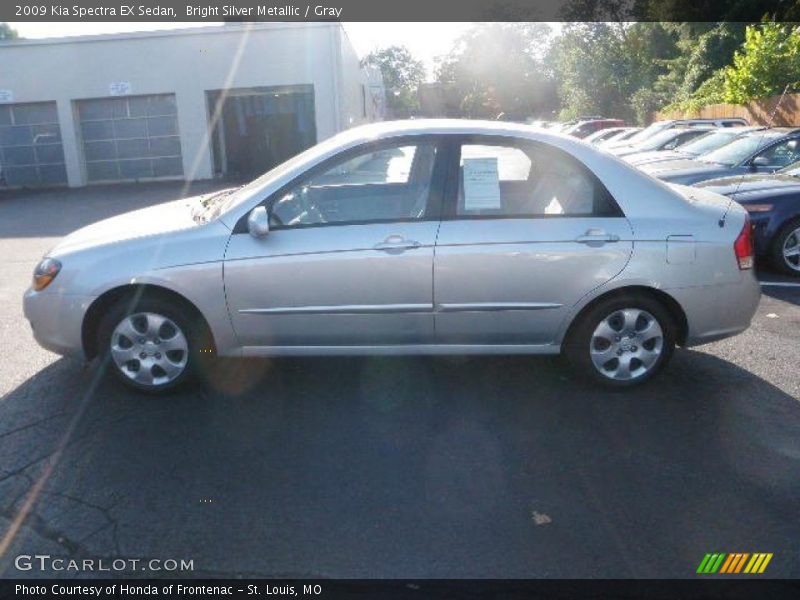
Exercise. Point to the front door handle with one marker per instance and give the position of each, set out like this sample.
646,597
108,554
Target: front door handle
396,243
596,236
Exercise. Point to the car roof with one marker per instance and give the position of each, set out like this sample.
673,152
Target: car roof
775,132
388,129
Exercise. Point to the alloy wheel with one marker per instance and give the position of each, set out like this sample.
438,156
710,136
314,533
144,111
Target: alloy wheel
626,344
791,250
149,349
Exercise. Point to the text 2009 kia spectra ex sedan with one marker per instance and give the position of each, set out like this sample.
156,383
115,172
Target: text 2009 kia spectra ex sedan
417,237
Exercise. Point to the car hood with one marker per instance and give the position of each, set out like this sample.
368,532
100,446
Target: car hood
154,220
765,183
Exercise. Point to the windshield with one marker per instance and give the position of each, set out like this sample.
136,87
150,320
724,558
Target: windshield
655,142
220,203
739,149
708,142
793,169
647,132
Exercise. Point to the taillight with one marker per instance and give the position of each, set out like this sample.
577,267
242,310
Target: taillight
743,246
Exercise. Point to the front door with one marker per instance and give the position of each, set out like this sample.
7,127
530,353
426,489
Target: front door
527,233
349,257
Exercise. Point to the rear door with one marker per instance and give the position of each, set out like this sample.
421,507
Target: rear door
527,232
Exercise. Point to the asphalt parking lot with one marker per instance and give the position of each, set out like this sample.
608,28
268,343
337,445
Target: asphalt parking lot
395,467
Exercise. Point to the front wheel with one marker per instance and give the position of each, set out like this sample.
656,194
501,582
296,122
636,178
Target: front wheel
622,341
150,347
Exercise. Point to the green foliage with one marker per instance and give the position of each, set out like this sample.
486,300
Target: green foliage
768,61
497,68
711,91
7,33
610,68
402,76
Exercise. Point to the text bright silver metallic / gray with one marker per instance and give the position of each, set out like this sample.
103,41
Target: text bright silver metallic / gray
417,237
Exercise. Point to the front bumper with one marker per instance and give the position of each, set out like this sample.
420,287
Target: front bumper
57,320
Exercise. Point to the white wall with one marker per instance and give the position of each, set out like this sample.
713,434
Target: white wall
186,63
352,78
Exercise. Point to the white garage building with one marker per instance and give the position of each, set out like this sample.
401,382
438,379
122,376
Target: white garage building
142,106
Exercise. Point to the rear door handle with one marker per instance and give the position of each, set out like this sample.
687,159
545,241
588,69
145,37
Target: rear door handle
396,243
596,236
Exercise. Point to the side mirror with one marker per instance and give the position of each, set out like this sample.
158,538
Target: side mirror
760,161
258,222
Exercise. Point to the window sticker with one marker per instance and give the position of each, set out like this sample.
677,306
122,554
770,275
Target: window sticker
481,186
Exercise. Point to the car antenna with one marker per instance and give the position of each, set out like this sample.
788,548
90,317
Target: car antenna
721,222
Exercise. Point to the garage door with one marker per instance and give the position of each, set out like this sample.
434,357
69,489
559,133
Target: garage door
30,145
135,137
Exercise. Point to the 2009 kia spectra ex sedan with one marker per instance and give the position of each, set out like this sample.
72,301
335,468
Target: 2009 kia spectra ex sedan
423,237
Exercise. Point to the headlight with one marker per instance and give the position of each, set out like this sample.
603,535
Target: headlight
45,272
757,208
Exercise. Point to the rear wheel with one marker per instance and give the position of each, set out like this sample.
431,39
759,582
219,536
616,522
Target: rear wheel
151,346
786,249
622,341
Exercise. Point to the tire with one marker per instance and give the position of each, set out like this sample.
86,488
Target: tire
160,341
600,349
788,234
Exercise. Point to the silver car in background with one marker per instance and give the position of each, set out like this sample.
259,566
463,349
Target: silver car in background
417,237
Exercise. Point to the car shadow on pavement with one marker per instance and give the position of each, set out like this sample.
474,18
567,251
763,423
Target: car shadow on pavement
785,294
409,467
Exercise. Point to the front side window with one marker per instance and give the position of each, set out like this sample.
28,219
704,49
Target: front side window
390,183
530,181
781,155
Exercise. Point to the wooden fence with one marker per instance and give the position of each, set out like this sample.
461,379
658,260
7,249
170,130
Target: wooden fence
757,112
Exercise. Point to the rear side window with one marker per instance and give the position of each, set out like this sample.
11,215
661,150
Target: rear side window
529,180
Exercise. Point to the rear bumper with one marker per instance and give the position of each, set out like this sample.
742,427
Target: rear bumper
719,311
57,320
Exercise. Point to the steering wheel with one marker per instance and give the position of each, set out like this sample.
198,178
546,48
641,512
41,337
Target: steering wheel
310,213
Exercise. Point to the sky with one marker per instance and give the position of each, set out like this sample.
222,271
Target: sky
426,41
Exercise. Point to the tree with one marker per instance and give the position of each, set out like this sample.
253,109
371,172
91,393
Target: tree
496,69
402,75
768,61
7,33
692,78
765,59
609,68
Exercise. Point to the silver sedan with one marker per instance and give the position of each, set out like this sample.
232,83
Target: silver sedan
418,237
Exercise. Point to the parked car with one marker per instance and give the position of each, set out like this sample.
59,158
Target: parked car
756,152
627,133
773,201
660,126
608,133
584,128
414,237
665,140
699,146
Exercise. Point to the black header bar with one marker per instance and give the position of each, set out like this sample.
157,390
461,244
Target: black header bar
398,11
459,589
